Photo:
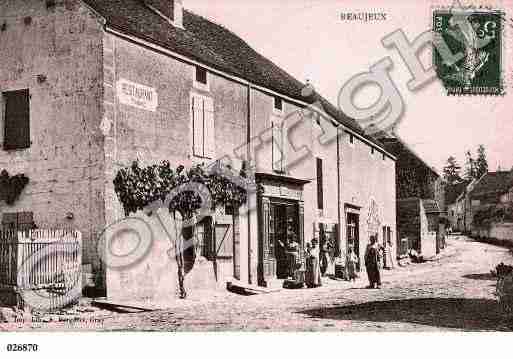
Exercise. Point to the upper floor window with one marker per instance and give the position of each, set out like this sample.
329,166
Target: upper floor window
320,184
278,144
201,78
16,119
278,104
203,127
351,139
372,150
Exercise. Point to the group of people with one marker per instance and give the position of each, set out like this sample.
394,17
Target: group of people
376,258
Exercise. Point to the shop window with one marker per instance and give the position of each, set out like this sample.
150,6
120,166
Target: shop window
16,120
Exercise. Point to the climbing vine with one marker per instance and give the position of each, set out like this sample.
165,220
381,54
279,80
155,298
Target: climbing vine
138,187
11,186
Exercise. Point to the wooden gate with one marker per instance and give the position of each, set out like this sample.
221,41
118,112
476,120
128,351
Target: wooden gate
43,265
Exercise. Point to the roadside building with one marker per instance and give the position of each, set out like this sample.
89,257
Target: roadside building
416,183
454,198
490,206
97,84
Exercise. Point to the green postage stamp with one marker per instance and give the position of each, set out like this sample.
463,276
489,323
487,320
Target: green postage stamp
467,52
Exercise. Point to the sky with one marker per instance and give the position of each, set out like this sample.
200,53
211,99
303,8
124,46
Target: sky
309,40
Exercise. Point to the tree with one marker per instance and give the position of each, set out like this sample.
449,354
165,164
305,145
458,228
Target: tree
451,172
470,167
481,163
475,168
181,189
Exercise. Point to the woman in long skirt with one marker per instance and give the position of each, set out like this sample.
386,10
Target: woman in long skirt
373,260
313,273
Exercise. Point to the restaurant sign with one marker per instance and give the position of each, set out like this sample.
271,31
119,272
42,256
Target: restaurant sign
136,95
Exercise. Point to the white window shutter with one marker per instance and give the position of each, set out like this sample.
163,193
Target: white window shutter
209,126
277,144
197,123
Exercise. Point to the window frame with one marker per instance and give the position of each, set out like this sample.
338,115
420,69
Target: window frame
352,141
278,99
319,175
16,144
205,154
198,84
278,120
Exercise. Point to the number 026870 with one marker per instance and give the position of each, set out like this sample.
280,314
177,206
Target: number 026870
22,347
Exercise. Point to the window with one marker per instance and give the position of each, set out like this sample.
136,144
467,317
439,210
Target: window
16,120
201,78
372,150
351,139
278,104
320,193
201,75
202,109
278,150
18,221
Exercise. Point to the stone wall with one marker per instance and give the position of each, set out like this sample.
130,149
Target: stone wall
497,231
367,177
166,133
409,221
56,53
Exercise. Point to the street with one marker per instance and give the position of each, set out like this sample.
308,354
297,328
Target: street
452,292
455,292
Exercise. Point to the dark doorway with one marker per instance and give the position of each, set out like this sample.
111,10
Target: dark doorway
353,237
284,238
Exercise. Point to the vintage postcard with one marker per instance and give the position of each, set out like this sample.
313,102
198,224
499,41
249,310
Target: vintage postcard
255,166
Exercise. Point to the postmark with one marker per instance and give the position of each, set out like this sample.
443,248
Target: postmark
468,51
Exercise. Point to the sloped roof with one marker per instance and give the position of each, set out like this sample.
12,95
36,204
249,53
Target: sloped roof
396,147
213,45
493,183
430,206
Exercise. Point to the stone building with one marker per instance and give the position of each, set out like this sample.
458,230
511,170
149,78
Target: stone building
490,203
97,84
417,183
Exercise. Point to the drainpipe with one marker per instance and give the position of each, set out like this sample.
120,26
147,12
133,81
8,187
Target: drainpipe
339,197
248,154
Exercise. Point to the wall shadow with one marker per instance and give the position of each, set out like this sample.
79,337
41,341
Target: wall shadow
450,313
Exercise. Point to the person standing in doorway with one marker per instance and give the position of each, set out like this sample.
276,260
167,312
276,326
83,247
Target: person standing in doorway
351,263
373,260
388,262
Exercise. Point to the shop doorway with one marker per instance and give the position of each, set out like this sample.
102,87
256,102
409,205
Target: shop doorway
284,237
353,236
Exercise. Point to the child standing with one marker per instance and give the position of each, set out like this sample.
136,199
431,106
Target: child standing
351,262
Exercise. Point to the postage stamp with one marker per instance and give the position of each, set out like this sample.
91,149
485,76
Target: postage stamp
468,51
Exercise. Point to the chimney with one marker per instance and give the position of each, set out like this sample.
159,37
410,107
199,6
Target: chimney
177,10
171,10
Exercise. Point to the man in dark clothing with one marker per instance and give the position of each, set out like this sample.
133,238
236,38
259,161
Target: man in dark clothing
373,258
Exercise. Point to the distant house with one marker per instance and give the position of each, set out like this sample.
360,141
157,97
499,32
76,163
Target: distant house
418,186
490,202
454,199
418,221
